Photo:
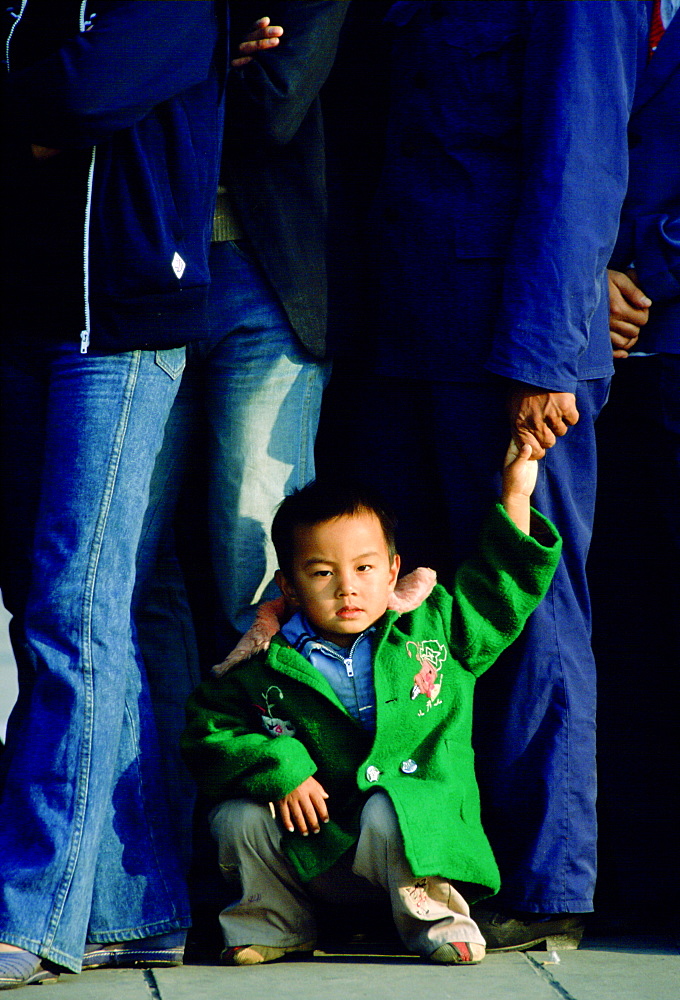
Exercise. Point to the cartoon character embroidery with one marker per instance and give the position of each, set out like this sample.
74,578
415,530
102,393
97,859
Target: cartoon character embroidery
419,897
430,654
274,726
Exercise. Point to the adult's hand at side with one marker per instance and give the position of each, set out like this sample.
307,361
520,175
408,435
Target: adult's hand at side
538,417
263,35
628,311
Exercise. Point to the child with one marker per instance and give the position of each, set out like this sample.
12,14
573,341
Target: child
355,726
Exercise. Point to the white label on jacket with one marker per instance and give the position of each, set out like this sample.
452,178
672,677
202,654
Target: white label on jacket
178,265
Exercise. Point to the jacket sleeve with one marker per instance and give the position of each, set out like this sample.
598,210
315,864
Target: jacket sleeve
269,98
227,758
496,590
134,56
576,92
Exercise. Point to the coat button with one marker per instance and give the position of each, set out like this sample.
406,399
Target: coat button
409,766
372,773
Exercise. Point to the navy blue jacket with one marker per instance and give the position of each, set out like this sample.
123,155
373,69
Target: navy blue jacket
110,236
273,157
649,237
505,170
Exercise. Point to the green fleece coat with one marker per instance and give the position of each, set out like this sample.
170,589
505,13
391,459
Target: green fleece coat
259,731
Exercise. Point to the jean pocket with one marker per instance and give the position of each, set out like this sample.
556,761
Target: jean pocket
172,361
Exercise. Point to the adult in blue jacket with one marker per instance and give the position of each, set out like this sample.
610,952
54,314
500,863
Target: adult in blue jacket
643,417
646,261
645,266
112,135
494,219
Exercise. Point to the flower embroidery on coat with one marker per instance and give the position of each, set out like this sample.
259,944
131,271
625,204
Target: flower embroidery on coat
430,654
273,725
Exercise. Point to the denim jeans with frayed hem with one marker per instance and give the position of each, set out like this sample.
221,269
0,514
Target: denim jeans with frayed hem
85,849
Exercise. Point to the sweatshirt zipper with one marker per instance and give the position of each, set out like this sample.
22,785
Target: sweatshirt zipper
85,334
349,667
346,660
9,37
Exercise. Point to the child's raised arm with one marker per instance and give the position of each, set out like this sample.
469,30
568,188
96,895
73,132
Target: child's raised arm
519,479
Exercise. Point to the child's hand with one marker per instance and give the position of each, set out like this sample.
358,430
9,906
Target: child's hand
304,808
519,479
520,471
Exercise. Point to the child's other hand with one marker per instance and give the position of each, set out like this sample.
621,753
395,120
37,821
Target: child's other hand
304,808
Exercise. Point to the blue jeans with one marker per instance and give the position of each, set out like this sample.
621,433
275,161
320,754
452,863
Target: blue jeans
262,397
85,849
259,392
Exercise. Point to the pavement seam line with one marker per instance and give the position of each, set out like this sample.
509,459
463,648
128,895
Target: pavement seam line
152,985
540,970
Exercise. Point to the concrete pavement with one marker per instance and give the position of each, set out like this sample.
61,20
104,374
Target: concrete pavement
603,969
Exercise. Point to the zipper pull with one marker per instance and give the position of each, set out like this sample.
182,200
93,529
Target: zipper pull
348,667
84,341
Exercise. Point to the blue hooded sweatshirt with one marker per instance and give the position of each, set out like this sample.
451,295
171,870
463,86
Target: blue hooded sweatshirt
107,240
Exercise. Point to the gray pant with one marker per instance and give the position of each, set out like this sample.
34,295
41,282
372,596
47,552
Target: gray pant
277,910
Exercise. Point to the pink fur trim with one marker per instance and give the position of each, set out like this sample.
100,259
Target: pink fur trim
268,620
412,590
409,594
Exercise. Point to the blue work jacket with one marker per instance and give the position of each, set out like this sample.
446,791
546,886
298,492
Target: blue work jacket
506,165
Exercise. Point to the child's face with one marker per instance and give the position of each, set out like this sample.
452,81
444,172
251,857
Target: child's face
342,575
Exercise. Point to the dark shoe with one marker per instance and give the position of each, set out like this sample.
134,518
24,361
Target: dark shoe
506,933
23,968
158,951
258,954
459,953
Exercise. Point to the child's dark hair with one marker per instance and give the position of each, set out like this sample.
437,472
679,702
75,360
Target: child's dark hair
323,501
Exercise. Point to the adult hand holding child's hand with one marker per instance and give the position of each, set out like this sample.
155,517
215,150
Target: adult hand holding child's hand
539,416
304,808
